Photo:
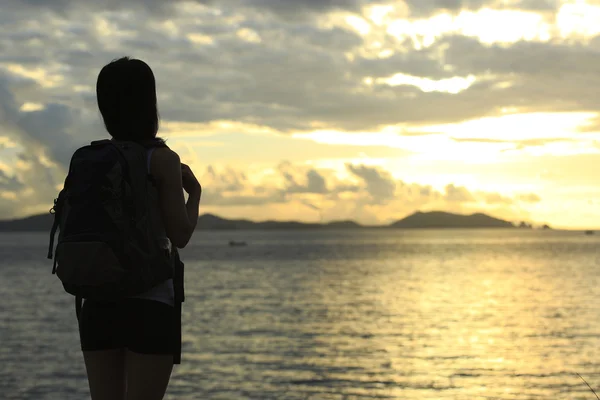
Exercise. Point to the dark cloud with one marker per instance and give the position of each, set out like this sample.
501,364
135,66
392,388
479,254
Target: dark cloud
524,58
316,182
50,127
284,8
539,76
9,183
212,197
293,8
53,133
422,8
310,182
63,7
306,84
288,9
379,183
56,129
29,188
228,180
296,72
9,112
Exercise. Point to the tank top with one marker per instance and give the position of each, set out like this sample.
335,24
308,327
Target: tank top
163,292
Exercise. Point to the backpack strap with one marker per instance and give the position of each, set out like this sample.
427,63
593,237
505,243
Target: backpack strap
100,142
52,235
78,306
178,279
55,210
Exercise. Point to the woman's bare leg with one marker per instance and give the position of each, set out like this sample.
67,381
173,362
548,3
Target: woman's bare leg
148,375
106,374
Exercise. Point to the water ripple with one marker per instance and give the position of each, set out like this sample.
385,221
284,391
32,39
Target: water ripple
340,315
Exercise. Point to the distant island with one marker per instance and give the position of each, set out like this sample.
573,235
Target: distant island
418,220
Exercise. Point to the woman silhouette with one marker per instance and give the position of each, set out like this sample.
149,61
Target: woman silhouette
128,345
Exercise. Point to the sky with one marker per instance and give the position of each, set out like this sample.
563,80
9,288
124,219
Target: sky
321,110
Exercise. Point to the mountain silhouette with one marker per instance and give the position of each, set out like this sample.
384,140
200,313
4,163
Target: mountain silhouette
211,222
418,220
41,222
438,219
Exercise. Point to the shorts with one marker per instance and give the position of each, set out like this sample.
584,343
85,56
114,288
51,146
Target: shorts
138,325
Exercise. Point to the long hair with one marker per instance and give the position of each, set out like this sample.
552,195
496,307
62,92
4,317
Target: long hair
126,93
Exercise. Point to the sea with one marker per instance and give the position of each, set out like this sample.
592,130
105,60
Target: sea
344,315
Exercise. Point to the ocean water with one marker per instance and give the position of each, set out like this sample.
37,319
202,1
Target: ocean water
452,314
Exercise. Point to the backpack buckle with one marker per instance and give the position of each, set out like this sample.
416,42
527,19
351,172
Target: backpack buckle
53,209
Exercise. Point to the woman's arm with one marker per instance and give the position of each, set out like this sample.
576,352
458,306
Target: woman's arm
179,217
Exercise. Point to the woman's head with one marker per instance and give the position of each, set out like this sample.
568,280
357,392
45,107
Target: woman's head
126,92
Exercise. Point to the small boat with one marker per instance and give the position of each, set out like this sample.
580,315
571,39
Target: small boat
237,244
589,232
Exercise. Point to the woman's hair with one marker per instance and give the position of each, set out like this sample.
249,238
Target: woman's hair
126,92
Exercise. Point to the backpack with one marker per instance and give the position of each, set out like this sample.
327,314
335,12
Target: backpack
109,245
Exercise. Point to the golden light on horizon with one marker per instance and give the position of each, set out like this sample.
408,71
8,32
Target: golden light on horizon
474,141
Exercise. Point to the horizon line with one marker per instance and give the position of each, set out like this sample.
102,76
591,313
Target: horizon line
325,222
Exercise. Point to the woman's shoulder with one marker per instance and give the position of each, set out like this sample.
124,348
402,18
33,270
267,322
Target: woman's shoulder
164,154
163,162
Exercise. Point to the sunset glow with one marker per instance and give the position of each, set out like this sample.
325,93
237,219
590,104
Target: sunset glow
367,112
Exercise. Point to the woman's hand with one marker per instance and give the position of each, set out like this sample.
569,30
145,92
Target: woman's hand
189,181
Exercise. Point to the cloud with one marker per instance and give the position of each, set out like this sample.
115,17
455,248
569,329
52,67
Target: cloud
65,6
283,65
29,188
57,129
367,185
535,76
286,8
228,180
46,139
283,9
369,194
310,181
428,7
293,8
295,74
229,187
517,144
529,198
420,8
458,194
288,100
379,184
9,183
497,198
310,205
